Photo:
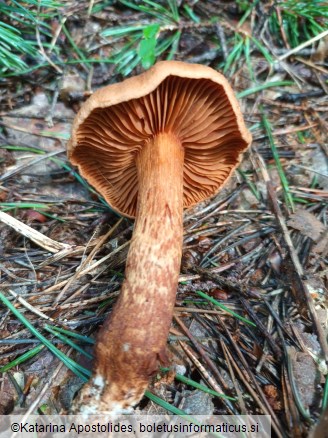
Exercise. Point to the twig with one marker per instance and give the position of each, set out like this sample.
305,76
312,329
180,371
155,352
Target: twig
247,377
201,368
88,260
59,70
49,117
37,237
90,7
57,33
300,285
29,307
233,378
89,268
42,51
201,351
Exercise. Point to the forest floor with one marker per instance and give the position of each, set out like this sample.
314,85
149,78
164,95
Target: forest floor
249,333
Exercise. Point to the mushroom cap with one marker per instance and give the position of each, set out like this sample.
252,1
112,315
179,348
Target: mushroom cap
192,101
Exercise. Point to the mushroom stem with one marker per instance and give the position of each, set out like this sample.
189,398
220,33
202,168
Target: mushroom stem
133,339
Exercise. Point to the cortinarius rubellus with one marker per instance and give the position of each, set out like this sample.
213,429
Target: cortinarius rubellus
151,145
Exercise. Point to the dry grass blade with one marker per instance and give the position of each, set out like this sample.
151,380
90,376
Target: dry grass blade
29,307
87,270
37,237
86,262
303,45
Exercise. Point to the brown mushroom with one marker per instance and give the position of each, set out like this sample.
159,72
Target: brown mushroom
151,145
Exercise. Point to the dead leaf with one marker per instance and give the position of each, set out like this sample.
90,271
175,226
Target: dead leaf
32,215
308,224
8,397
322,245
306,377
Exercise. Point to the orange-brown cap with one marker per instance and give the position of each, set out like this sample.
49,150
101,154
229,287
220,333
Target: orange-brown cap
192,101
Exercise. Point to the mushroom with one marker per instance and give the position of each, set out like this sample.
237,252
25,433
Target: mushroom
151,145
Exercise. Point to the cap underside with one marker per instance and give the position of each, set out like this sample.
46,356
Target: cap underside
197,111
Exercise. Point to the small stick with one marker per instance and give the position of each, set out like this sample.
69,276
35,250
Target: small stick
37,237
207,376
85,263
41,48
294,258
202,352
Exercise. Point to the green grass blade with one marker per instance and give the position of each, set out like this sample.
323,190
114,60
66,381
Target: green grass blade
67,341
174,45
250,184
123,31
283,179
168,406
174,9
21,359
263,50
247,52
74,335
262,87
71,364
22,148
153,9
72,43
225,308
199,386
325,396
191,14
176,411
234,55
6,206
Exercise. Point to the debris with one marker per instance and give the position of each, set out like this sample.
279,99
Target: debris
307,223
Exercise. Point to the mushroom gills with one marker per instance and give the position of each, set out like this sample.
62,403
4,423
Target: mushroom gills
197,112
